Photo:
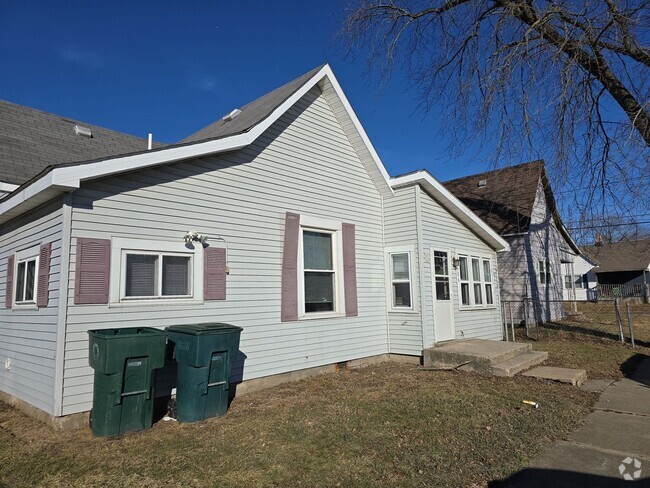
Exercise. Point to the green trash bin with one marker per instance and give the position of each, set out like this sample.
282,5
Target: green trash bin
204,353
124,361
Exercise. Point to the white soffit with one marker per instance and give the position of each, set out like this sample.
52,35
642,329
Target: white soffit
457,208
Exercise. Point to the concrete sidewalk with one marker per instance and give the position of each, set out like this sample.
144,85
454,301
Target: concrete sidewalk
614,442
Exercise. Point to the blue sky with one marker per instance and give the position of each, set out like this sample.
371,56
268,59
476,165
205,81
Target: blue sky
173,67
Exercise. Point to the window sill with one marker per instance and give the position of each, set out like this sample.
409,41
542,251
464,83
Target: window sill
321,315
154,303
470,309
26,306
408,311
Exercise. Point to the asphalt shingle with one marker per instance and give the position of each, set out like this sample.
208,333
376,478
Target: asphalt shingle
32,140
506,200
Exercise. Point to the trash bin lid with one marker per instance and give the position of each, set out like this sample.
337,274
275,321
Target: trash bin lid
201,329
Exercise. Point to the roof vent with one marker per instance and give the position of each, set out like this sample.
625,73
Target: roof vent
80,130
482,183
231,115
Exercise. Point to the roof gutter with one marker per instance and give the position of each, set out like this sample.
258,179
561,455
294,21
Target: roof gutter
454,205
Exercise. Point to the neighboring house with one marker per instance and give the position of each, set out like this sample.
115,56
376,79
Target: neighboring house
625,263
580,278
518,203
309,249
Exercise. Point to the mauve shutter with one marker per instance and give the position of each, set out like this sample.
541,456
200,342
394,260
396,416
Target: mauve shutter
350,270
9,289
93,267
214,273
289,301
43,292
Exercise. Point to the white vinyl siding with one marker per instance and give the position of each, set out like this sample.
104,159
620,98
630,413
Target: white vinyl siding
441,230
305,164
28,335
405,326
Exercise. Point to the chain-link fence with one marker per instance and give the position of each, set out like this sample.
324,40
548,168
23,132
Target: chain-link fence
619,319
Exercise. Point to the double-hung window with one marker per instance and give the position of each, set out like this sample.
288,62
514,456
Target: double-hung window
487,281
319,271
26,282
545,272
400,272
475,278
568,282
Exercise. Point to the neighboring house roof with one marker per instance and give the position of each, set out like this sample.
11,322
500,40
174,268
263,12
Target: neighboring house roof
620,256
57,179
252,113
32,140
504,198
453,206
506,201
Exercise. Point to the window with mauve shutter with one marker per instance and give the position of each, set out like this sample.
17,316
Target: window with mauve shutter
92,271
350,270
289,299
9,290
214,273
43,289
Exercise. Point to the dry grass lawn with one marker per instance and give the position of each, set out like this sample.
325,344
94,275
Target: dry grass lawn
592,341
385,425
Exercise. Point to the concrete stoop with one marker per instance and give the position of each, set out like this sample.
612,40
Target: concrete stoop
496,358
575,377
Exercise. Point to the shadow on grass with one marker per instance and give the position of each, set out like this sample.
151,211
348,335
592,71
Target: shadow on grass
637,368
590,332
556,478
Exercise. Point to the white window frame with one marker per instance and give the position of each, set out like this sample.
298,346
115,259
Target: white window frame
544,269
120,247
389,251
335,228
472,282
579,282
161,255
570,283
29,254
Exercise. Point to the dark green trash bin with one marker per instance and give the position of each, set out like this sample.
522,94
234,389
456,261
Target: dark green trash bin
124,360
204,353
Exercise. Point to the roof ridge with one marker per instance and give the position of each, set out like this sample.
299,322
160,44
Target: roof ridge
253,112
499,170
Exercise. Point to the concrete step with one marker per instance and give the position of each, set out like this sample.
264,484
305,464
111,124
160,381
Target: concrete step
479,354
564,375
512,366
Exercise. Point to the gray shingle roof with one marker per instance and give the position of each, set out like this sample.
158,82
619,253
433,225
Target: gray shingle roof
32,140
620,256
252,113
